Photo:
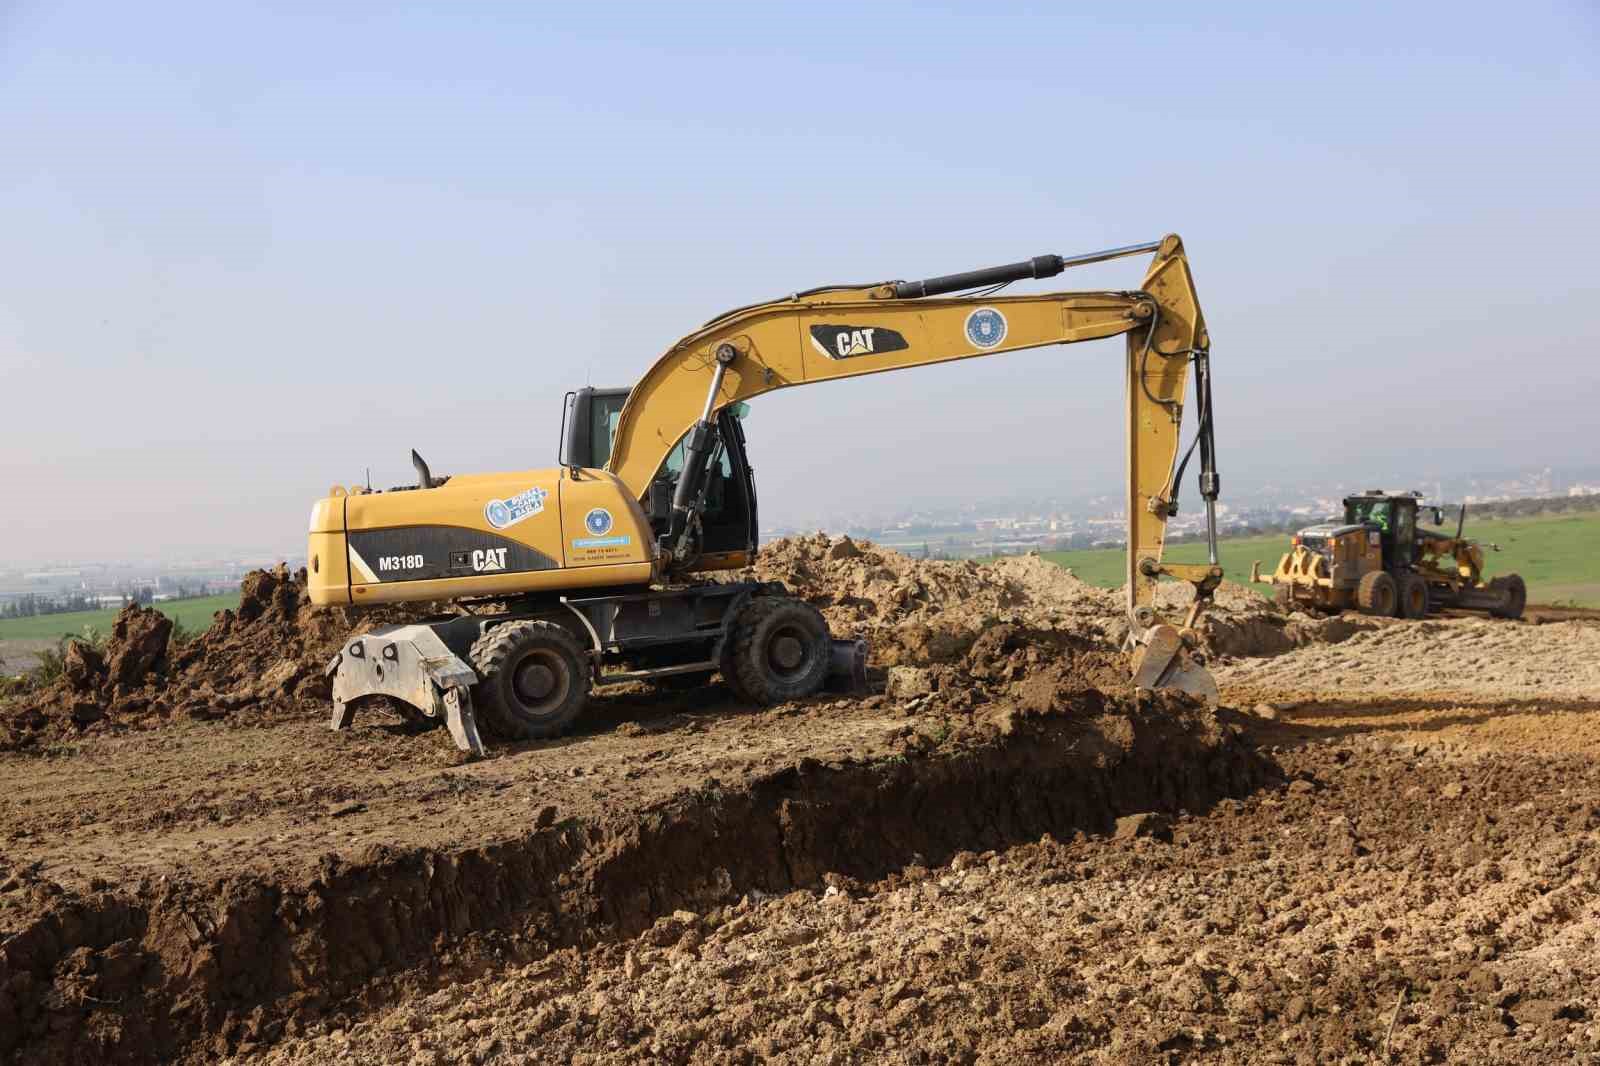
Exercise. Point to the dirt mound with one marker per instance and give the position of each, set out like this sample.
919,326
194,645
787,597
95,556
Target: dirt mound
269,652
274,646
918,611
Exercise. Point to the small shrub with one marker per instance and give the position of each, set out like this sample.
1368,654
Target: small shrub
180,634
51,661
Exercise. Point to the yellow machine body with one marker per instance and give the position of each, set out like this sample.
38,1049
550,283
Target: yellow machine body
1382,561
1326,574
478,535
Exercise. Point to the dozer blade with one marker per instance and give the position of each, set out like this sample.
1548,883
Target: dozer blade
1161,661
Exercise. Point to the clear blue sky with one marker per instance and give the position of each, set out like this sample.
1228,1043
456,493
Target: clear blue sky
252,250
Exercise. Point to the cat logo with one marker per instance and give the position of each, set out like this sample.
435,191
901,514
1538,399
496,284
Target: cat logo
485,560
846,342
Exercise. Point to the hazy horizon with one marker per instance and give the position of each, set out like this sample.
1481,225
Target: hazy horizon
254,253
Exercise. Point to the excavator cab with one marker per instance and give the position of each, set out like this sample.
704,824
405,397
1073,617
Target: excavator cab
729,530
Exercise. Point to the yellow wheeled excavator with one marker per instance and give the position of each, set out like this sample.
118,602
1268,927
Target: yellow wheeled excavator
594,571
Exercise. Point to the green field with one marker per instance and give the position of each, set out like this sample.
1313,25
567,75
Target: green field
194,615
1558,557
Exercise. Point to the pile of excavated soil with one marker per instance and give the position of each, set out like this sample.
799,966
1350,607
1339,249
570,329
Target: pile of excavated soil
269,653
916,611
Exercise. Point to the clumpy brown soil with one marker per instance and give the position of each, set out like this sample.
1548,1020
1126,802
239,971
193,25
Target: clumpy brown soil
915,611
1288,927
1005,857
267,656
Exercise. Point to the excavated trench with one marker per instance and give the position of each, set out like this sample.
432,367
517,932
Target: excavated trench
204,969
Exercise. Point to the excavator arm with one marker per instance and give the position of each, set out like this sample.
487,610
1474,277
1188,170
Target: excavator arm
850,331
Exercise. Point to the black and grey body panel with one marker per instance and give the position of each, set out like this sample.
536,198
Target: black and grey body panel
422,553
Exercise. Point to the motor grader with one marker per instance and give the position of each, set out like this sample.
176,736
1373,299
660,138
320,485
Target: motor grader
1381,561
600,569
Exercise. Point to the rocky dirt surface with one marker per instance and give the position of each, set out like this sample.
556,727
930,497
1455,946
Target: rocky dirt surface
1005,856
1331,917
1471,657
267,656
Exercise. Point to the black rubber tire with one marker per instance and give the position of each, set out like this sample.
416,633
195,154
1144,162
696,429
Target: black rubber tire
1515,591
1377,594
533,679
730,675
1415,598
781,648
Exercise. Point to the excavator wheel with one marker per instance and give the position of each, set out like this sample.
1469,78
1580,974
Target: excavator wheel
533,679
730,674
1415,600
781,648
1377,594
1514,593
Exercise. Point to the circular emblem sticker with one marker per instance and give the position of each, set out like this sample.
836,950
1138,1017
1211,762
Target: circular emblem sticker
598,522
498,513
986,327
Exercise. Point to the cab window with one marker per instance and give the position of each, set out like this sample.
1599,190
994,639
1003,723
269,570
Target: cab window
604,414
1405,523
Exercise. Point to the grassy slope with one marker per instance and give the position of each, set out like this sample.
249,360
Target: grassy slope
193,614
1558,557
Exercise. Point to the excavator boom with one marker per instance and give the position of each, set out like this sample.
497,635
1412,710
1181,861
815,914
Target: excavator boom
849,331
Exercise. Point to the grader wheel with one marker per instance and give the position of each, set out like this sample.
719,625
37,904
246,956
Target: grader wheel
1415,599
1377,594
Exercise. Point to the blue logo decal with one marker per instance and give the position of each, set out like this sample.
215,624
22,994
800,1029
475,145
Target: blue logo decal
503,513
986,327
598,521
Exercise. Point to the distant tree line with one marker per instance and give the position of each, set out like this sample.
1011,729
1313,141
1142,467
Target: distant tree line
33,605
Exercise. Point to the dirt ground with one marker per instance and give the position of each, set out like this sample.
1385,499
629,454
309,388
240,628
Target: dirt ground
1380,848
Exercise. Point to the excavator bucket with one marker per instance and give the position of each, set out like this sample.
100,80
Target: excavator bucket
1160,660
